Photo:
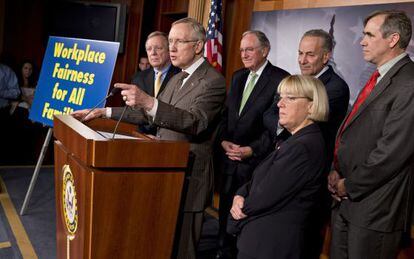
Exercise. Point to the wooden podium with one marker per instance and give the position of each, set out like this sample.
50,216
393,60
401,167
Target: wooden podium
115,198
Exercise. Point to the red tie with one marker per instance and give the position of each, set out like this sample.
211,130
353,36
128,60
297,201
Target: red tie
361,99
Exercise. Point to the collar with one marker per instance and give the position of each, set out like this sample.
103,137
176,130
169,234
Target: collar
324,69
260,70
311,128
190,70
387,66
164,70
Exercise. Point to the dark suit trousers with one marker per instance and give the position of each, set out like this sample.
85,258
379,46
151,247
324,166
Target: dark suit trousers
241,255
352,242
190,235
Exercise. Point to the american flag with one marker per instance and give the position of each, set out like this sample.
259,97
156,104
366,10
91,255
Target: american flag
214,46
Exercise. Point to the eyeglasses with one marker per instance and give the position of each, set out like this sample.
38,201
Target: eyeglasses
154,48
179,42
291,99
249,49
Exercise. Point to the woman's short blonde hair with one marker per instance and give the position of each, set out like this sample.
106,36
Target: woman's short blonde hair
311,88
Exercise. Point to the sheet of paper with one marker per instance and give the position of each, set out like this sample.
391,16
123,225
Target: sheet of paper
109,135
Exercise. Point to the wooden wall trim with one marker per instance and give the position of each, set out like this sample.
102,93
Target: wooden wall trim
265,5
237,19
206,15
196,9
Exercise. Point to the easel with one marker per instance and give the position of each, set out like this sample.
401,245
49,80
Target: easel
36,171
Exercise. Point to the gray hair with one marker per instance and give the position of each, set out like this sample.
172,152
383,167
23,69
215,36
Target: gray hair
161,34
198,30
264,41
328,42
395,22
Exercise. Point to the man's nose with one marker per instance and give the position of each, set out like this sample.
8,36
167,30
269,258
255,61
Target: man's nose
363,42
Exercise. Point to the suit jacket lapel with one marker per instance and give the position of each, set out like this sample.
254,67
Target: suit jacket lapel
149,82
379,88
190,84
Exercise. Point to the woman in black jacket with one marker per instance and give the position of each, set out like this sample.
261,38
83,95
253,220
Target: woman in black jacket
270,212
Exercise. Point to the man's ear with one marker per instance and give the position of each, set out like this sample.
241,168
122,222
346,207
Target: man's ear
394,38
199,47
326,56
265,51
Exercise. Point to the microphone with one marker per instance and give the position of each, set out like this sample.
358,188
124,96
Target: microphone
112,93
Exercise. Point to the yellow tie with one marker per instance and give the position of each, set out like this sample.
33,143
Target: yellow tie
157,83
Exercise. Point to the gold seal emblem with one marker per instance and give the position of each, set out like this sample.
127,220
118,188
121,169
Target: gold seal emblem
70,209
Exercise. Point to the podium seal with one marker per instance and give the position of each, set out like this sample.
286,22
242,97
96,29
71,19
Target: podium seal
70,209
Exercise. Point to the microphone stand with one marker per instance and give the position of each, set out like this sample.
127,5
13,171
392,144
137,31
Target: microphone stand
119,120
112,93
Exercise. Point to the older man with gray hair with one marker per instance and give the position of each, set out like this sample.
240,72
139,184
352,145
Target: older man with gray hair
251,93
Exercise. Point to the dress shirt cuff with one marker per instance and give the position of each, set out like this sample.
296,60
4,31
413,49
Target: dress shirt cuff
154,109
108,112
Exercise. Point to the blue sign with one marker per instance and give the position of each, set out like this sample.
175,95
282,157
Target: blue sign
76,74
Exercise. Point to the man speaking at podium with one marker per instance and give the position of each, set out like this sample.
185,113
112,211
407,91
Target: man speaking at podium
187,110
154,79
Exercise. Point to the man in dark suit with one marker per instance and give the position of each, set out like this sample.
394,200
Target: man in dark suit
251,93
374,149
187,110
153,80
314,53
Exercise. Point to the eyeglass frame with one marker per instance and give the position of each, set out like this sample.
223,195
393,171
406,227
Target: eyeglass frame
290,99
250,49
180,42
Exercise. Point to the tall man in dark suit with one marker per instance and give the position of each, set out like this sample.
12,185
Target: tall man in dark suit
251,93
374,151
314,53
153,80
187,110
315,50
